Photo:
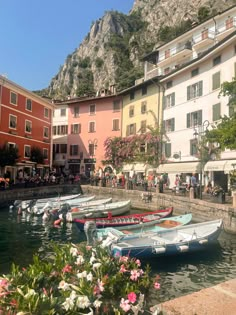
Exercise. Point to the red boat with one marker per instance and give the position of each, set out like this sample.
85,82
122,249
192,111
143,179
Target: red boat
123,220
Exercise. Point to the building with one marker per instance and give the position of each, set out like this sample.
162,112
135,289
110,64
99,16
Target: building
91,120
25,123
192,68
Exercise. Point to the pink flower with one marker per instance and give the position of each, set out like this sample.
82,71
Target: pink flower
122,268
124,259
132,297
157,285
138,262
67,268
134,275
124,304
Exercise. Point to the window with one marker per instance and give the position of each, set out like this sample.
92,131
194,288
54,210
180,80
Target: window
229,23
131,96
216,81
74,149
11,145
13,98
143,126
169,125
92,126
60,148
12,122
169,84
216,112
194,119
28,126
76,128
131,111
46,112
167,149
45,154
216,61
143,147
81,155
116,106
167,53
115,124
92,109
92,149
169,100
144,90
28,104
45,132
63,112
193,147
167,70
131,130
27,151
143,107
194,72
194,90
60,130
76,111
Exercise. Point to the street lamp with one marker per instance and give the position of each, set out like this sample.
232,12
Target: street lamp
198,133
92,150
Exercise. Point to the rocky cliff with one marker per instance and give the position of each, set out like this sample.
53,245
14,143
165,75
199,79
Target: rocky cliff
111,52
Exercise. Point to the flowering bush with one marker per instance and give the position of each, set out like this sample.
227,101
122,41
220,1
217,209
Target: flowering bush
76,280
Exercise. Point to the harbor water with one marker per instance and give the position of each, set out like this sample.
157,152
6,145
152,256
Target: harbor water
23,235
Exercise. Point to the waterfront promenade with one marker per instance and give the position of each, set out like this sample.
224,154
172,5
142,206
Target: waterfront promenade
217,300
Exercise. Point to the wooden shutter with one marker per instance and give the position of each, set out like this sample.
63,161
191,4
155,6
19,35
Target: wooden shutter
216,81
173,99
199,117
172,124
188,120
188,92
164,102
167,149
127,131
71,148
200,86
79,128
216,112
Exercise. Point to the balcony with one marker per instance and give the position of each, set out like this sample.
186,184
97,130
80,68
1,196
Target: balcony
206,38
175,54
226,28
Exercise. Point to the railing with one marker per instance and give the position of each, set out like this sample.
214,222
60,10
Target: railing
227,25
203,36
175,51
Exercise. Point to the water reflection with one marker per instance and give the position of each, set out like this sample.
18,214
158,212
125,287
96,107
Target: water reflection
22,236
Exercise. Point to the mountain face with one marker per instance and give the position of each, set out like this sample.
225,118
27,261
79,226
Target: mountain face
111,52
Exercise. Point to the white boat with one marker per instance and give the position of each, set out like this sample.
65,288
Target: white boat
187,238
116,208
60,198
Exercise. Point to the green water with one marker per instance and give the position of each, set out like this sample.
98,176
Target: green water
22,236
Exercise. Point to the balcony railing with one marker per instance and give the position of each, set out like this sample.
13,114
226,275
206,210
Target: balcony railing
175,53
225,28
203,39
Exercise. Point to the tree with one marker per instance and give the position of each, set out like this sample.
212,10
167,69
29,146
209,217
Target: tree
8,155
37,155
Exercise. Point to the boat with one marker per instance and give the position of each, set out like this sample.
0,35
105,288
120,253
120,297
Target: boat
59,198
38,208
125,220
116,208
184,239
147,228
88,203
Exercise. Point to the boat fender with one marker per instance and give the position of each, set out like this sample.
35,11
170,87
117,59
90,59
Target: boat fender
75,210
159,250
57,222
203,241
183,248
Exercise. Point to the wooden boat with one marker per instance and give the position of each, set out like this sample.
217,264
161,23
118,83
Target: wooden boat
60,198
125,220
187,238
147,228
88,203
116,208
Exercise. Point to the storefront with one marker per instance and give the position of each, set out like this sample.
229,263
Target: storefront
90,166
74,166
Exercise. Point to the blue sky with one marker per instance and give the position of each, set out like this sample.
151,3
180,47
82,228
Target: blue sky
37,35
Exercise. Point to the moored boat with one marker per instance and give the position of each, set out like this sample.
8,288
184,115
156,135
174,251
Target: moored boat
125,220
189,238
116,208
147,228
60,198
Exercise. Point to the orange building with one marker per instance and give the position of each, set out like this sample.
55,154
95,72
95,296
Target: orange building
90,122
25,123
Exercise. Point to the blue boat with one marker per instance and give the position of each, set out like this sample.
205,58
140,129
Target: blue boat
187,238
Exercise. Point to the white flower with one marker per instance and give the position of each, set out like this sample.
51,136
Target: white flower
97,303
90,277
83,301
64,285
68,304
96,266
30,293
80,260
73,251
92,259
81,275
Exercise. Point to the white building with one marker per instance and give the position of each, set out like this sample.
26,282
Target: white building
192,68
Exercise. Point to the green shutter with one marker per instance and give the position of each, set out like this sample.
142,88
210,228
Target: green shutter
127,131
199,117
173,99
200,86
172,124
216,81
167,149
188,120
164,102
216,112
188,92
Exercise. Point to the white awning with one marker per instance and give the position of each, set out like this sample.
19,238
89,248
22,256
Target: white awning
215,166
230,165
128,167
140,168
59,162
180,167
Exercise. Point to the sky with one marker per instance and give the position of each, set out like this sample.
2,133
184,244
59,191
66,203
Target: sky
36,36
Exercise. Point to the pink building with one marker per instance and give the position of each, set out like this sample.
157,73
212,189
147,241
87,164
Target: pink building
90,122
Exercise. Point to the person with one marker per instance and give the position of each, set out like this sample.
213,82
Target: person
177,183
193,181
